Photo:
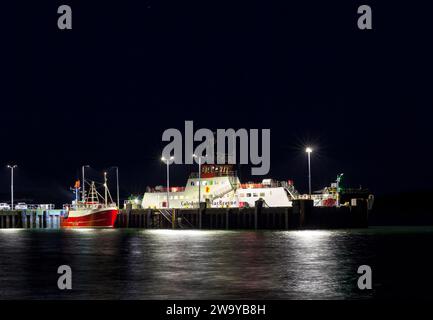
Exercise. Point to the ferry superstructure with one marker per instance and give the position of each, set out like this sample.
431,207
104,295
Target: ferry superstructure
220,187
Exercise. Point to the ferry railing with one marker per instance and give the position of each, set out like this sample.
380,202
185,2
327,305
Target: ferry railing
162,189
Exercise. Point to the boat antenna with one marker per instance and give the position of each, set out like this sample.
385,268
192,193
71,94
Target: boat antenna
105,188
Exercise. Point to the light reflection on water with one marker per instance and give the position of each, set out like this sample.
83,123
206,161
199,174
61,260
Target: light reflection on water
193,264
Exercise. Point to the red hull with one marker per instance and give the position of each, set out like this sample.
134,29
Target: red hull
101,219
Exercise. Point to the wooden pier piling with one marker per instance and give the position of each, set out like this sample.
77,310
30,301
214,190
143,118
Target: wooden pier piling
30,219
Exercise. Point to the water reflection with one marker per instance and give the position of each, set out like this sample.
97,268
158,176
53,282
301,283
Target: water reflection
180,264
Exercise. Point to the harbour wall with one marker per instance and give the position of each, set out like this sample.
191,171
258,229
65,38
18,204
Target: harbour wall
30,219
303,215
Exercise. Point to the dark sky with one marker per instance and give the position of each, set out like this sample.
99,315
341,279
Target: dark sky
103,93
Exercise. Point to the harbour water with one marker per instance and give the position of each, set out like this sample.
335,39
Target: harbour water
182,264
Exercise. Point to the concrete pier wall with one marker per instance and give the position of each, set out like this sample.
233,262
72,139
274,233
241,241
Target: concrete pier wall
303,215
30,219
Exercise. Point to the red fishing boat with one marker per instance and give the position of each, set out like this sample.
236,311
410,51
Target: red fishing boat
93,211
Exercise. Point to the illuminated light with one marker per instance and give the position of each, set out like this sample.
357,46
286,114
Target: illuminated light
308,150
164,159
81,230
107,230
12,230
177,233
310,235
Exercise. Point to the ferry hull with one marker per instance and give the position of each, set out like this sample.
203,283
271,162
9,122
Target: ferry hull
102,218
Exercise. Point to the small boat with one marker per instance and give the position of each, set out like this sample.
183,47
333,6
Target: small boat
93,211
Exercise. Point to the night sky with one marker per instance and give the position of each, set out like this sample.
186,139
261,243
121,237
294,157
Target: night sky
103,93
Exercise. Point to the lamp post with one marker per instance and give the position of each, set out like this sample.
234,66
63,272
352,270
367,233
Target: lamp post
199,177
83,195
199,187
308,150
339,177
117,186
12,167
167,161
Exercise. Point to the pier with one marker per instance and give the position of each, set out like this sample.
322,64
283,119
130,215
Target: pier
30,219
303,215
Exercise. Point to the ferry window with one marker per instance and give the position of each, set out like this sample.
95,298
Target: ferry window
248,195
204,183
242,195
197,183
262,194
210,182
192,183
255,195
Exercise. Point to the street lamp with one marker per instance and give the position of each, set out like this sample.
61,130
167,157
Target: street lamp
199,177
308,150
117,185
84,183
12,167
167,161
199,187
339,177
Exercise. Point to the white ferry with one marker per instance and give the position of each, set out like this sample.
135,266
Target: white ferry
219,187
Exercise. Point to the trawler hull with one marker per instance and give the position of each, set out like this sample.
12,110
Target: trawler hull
90,218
